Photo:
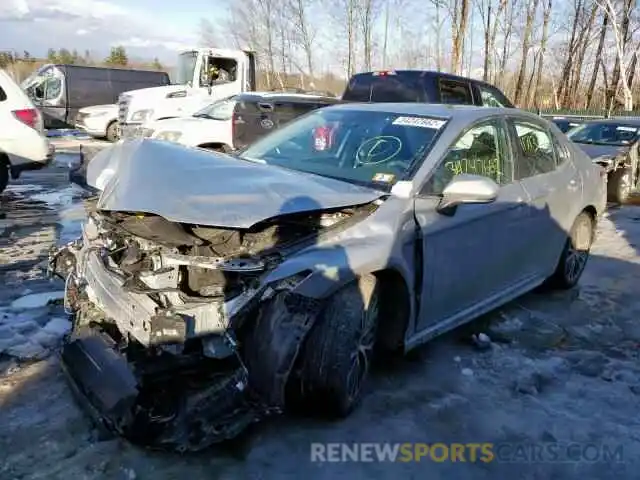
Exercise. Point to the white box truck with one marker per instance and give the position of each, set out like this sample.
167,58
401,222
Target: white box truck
193,87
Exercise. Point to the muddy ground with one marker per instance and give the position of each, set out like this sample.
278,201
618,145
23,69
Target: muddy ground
561,369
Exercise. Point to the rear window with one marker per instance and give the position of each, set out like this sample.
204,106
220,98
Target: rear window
455,92
403,87
3,96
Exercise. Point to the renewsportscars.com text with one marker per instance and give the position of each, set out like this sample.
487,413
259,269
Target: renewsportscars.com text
466,452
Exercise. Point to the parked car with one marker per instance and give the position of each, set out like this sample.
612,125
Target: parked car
234,122
565,124
422,86
211,290
613,143
23,145
60,91
100,121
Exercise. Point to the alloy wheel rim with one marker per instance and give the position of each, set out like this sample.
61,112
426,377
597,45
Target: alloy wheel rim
360,356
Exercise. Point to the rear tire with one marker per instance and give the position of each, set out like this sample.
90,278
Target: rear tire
620,185
337,355
113,133
575,254
4,174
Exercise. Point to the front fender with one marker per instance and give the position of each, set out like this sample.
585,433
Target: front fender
334,265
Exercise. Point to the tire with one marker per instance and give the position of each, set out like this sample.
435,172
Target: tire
575,254
339,346
112,132
4,175
620,185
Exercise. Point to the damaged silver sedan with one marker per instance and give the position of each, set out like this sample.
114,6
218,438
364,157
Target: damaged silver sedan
209,291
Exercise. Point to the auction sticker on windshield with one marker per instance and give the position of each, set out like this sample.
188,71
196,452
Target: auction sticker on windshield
419,122
626,129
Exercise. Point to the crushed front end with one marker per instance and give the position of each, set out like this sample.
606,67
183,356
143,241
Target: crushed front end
158,310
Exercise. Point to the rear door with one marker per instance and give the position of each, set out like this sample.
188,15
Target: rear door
553,184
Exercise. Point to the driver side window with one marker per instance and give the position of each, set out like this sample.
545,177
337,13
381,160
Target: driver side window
482,150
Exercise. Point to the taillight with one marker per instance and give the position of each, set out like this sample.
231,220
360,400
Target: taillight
28,116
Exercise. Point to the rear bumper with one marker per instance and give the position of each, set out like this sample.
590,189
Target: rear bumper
170,415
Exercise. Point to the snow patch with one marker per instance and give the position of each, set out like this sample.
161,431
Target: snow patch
57,326
36,300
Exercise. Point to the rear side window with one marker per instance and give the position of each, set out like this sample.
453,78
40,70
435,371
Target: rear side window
491,98
455,92
402,87
537,154
3,96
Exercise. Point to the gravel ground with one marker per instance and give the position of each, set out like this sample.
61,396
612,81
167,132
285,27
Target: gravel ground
551,370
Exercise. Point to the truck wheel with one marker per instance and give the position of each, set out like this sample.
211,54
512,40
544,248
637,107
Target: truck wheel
575,254
337,355
113,133
619,185
4,173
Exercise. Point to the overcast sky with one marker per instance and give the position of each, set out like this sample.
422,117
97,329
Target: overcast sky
147,28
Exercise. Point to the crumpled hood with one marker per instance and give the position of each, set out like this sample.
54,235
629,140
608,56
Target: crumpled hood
194,186
595,151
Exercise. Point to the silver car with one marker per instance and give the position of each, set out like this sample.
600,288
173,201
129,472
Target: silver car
211,290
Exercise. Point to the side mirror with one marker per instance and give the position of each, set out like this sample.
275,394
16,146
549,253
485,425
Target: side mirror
467,188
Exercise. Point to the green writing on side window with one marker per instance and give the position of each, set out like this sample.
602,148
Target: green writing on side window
485,167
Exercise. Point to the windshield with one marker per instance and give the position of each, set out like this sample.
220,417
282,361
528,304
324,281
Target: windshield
358,146
219,110
605,133
186,67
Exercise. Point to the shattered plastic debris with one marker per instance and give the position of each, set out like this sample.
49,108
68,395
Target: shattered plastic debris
36,300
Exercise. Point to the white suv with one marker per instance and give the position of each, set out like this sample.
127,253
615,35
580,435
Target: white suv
23,144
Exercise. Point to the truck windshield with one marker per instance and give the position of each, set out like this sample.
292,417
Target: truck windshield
186,67
374,148
605,133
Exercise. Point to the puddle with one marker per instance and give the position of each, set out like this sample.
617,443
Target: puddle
22,189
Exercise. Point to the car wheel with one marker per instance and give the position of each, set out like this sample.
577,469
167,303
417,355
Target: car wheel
337,355
620,185
113,133
575,254
4,175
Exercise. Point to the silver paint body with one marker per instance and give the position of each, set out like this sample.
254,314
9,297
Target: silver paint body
455,267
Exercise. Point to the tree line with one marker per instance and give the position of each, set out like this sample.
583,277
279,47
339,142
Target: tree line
22,64
542,53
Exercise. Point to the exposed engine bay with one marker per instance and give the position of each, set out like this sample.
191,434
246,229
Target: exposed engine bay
160,311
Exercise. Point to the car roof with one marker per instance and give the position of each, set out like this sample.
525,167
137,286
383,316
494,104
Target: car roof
444,111
438,73
283,96
634,121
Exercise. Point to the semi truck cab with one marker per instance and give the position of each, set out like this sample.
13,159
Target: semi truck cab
194,87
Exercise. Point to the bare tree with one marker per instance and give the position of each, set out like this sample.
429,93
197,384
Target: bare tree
304,31
208,34
368,12
507,30
584,41
526,45
459,13
533,99
598,58
620,19
345,15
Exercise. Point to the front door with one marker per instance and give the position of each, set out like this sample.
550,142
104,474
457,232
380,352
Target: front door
476,253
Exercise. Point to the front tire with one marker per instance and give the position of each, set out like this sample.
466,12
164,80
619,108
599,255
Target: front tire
575,254
620,185
337,355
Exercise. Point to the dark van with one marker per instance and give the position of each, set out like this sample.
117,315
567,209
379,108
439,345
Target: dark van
422,86
61,90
